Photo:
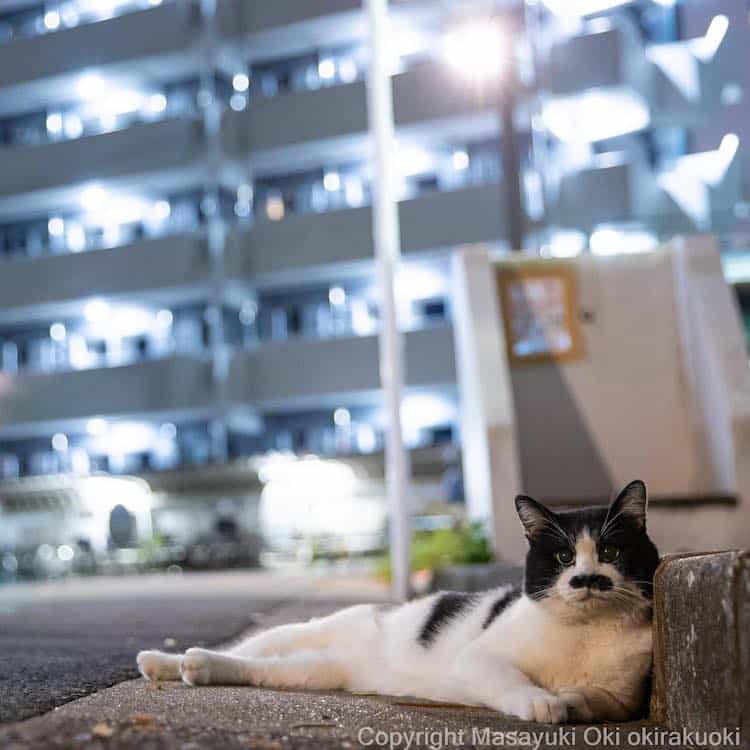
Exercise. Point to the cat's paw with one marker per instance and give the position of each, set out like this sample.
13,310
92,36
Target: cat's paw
534,704
578,705
155,665
196,667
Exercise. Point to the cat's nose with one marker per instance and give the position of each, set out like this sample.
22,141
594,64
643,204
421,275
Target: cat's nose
602,583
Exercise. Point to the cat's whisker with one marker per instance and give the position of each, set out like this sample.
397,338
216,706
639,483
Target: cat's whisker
544,593
629,589
623,594
627,596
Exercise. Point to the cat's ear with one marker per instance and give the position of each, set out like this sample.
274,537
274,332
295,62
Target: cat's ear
630,504
534,516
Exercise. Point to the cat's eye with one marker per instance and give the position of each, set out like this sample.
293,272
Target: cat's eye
608,553
564,556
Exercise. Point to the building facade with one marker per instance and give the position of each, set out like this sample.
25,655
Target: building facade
186,253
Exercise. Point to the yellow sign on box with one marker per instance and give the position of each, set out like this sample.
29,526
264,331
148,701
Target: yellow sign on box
539,303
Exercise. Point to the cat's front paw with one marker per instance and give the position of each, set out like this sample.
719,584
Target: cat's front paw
534,704
196,667
578,705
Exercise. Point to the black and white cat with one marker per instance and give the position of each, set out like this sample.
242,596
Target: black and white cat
575,644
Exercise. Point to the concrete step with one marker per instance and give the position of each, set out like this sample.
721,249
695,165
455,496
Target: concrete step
702,646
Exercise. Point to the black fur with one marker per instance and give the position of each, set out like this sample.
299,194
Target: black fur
499,605
602,583
447,606
548,533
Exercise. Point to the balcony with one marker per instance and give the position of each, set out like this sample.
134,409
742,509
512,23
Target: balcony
138,150
306,128
311,242
327,117
299,247
310,245
306,371
432,91
41,63
285,28
619,58
458,217
166,386
624,190
28,286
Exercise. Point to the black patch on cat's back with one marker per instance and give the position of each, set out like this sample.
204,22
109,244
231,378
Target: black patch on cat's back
447,606
500,605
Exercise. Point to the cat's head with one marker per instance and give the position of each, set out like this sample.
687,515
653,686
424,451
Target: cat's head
590,560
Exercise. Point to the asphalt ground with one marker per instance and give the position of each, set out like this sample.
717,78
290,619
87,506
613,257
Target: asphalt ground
59,643
53,654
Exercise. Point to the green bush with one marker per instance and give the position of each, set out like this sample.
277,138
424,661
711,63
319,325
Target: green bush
463,544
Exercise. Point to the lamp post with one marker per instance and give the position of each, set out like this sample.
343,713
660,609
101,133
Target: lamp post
510,153
387,236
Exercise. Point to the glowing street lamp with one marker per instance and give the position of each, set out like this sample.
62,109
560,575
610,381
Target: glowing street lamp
480,50
476,49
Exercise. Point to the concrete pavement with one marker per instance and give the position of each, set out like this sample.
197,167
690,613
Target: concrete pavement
171,716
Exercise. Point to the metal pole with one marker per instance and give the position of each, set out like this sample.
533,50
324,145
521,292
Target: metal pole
510,154
539,148
387,235
216,230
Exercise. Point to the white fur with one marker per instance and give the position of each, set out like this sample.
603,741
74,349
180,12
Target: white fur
549,660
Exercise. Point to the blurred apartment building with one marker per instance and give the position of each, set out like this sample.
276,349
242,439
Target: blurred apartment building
186,253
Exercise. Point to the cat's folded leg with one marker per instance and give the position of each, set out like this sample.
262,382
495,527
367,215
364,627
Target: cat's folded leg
316,670
496,683
594,704
156,665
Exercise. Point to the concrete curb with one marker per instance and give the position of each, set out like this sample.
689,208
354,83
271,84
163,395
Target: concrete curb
702,643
